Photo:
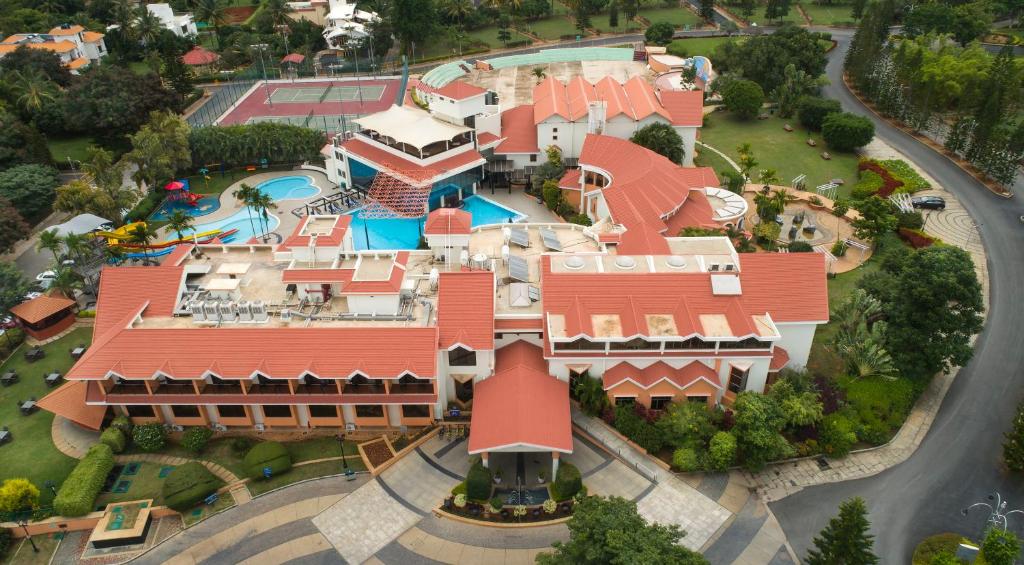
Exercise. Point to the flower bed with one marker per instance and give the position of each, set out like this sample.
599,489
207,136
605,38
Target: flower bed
889,176
496,513
377,452
916,238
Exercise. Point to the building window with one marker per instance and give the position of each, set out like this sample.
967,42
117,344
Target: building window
660,402
277,411
697,399
185,411
231,411
554,138
737,379
416,410
554,130
625,400
533,158
141,411
369,411
319,411
461,357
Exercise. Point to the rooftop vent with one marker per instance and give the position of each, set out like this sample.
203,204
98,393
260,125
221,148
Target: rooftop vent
574,263
625,262
676,262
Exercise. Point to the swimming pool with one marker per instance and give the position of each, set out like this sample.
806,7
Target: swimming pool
289,188
240,221
404,233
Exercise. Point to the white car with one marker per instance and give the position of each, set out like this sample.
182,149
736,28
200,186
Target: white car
45,279
33,295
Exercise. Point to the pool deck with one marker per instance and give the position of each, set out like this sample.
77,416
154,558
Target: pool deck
230,205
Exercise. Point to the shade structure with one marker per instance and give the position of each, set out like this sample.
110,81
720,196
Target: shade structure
174,185
199,56
295,58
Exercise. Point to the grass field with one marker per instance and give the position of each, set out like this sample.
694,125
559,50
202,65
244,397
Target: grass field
489,36
707,158
296,474
698,45
553,28
786,152
831,14
679,17
65,147
600,23
31,454
20,552
145,484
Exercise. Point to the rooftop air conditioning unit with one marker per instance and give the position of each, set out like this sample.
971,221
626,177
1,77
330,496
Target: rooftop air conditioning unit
244,312
196,306
259,311
228,311
259,427
286,315
211,311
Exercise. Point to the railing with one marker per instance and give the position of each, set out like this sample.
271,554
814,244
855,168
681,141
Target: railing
270,388
122,388
174,388
413,388
222,389
363,389
326,388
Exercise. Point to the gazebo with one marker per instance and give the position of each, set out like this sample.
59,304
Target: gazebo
292,61
45,316
200,57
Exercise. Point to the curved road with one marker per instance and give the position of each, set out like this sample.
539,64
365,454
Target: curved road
958,463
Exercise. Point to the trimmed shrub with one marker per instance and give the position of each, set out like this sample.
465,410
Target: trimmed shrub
903,172
685,459
910,220
887,183
79,491
17,495
195,438
839,248
150,437
114,437
568,482
478,482
497,503
915,238
660,33
846,132
812,111
800,247
124,424
743,97
867,185
837,435
242,444
188,485
267,454
721,451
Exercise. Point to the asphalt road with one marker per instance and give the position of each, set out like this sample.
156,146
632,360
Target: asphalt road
958,463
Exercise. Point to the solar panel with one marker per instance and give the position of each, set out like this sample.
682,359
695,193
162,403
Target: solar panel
518,269
550,239
520,237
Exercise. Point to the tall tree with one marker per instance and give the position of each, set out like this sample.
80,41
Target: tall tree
776,10
413,22
610,530
32,89
160,149
245,194
758,428
12,226
845,540
23,59
795,85
30,188
214,13
877,218
13,286
1002,87
142,235
148,27
113,103
662,139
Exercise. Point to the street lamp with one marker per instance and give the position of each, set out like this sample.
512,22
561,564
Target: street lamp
341,441
52,486
24,525
997,510
260,47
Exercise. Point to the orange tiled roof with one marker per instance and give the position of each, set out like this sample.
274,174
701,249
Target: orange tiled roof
635,99
465,309
486,138
686,107
40,308
69,401
92,36
525,324
424,174
518,130
521,405
448,221
390,286
779,359
658,371
124,290
459,90
334,239
78,63
72,30
63,46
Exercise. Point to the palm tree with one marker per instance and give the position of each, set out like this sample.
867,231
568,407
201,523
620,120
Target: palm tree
262,203
179,222
49,240
245,194
147,27
141,234
76,245
124,17
66,281
867,358
276,11
539,73
114,254
214,13
859,308
32,90
768,177
458,9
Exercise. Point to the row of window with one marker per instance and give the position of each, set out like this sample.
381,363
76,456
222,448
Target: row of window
280,411
658,402
641,344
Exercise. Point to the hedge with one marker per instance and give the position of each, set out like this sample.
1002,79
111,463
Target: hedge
478,482
79,491
150,437
114,438
916,238
267,454
195,438
188,484
568,482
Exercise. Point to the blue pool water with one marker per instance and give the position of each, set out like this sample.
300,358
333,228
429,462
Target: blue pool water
205,205
240,220
404,233
289,188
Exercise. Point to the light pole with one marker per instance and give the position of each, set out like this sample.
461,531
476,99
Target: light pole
259,47
24,526
997,510
52,486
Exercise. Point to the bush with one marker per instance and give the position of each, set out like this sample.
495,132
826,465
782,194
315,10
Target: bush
888,183
478,482
903,172
196,438
867,186
146,206
660,33
721,451
150,437
685,459
743,97
686,424
800,247
267,454
635,426
581,219
916,238
242,444
18,494
497,503
812,111
79,491
123,423
114,438
880,406
839,248
837,435
188,484
846,132
568,481
910,220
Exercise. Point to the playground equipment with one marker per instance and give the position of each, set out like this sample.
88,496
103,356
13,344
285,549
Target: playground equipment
163,248
121,235
115,237
178,191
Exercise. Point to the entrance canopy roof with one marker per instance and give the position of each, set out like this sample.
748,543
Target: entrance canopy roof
520,408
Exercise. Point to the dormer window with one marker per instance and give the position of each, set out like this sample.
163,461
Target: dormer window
461,357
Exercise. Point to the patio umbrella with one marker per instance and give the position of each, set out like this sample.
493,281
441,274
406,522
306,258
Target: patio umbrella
174,185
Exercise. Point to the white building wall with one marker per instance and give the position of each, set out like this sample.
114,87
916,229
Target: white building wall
689,135
382,304
484,368
302,415
796,340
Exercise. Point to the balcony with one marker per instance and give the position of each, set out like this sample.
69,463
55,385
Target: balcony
174,388
270,388
221,388
412,388
364,389
319,388
129,388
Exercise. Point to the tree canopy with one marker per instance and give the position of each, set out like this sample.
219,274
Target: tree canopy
13,286
110,102
843,131
764,58
12,226
845,540
662,139
160,148
30,188
24,59
243,144
743,97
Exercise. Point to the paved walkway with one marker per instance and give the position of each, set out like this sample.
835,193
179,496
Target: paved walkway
70,439
222,473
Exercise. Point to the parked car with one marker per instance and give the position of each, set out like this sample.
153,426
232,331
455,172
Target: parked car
928,202
45,279
32,295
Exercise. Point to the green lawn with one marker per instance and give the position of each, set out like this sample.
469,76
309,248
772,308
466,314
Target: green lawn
707,158
828,14
786,152
296,474
204,511
679,17
20,552
322,447
145,484
704,46
32,454
489,36
554,27
217,451
600,23
74,147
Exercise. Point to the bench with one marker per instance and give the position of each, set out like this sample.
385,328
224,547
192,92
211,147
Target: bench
209,500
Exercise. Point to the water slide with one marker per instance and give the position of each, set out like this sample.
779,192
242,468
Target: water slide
169,246
203,237
120,234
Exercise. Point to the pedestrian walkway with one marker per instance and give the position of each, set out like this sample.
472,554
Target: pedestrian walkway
71,439
222,473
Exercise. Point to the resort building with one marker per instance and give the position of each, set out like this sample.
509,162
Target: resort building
341,20
497,321
181,25
76,47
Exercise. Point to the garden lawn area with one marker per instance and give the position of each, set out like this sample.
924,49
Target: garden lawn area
74,147
827,14
20,552
204,511
600,23
699,45
145,484
322,447
708,158
489,36
678,17
554,27
139,67
217,451
786,152
31,454
296,474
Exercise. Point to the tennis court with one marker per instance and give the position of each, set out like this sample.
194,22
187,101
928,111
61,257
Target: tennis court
327,93
326,122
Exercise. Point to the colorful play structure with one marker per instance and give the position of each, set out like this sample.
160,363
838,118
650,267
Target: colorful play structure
121,236
178,191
